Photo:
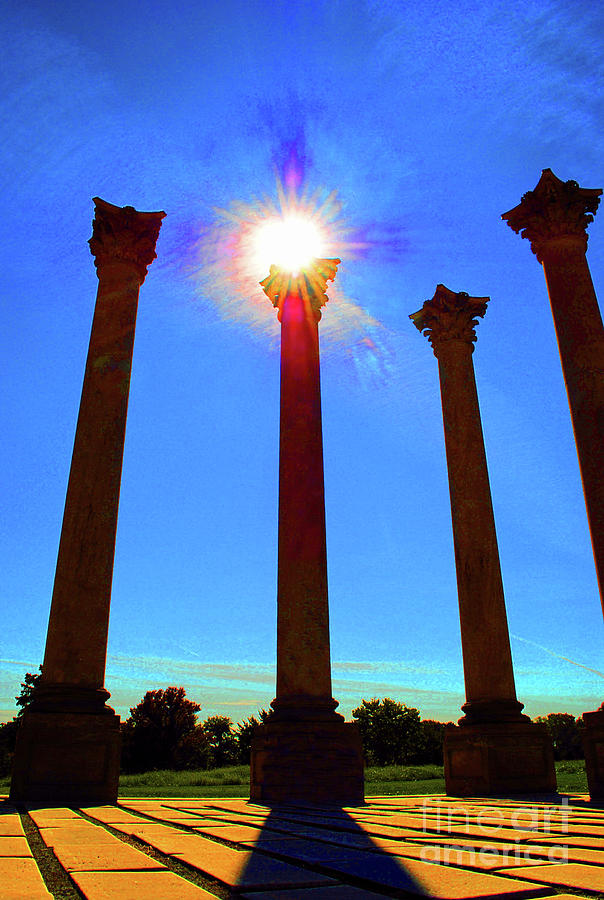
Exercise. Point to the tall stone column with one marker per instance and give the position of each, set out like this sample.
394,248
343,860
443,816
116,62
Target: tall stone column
68,742
554,218
305,752
495,748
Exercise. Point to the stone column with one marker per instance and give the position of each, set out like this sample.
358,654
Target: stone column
68,742
495,748
554,217
306,752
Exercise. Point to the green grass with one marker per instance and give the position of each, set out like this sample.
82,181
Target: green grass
233,781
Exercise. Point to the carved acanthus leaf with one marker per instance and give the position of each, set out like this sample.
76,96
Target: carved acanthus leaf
121,234
449,317
310,283
554,209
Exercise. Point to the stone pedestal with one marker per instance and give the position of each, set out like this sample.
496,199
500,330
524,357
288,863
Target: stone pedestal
305,752
67,759
479,748
316,762
67,749
498,758
593,745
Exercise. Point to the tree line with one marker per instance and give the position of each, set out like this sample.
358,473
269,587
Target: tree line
163,732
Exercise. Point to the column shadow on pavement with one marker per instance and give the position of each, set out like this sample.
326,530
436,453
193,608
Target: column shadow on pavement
328,840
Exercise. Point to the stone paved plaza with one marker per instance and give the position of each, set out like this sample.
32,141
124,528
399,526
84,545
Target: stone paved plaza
189,849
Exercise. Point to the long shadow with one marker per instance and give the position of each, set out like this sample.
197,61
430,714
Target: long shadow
328,841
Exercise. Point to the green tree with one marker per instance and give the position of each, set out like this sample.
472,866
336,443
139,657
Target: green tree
390,731
221,739
156,728
565,731
244,732
432,735
28,689
8,730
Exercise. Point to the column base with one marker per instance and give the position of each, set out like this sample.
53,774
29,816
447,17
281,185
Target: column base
67,758
309,762
593,745
498,758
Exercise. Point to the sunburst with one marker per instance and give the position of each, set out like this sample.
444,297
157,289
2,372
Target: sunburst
234,254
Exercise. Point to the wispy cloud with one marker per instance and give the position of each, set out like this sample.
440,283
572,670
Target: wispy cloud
558,655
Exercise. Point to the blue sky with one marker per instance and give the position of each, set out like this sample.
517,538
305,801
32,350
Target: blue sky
429,120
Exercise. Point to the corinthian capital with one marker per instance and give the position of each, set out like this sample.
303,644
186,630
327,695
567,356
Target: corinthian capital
310,283
121,234
449,317
554,212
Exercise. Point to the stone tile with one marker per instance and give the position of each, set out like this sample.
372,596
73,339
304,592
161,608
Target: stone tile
82,836
484,859
116,856
14,846
169,841
183,818
51,813
572,840
241,869
235,833
111,814
308,851
337,892
10,825
340,838
137,886
419,877
572,875
21,880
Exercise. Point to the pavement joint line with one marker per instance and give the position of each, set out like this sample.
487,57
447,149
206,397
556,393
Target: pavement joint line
178,867
358,881
54,876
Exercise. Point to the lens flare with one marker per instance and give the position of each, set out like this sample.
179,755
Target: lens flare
290,242
234,252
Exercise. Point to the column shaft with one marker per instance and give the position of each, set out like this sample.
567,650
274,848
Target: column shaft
580,337
495,748
68,744
303,664
305,752
488,672
76,644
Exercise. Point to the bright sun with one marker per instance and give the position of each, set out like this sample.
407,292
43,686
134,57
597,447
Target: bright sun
289,241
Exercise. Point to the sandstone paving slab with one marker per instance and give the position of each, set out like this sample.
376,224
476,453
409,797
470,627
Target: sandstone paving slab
484,859
336,892
162,837
117,856
246,869
570,840
236,833
137,886
308,851
554,852
341,838
111,814
39,813
20,879
14,846
572,875
10,825
563,853
78,836
185,818
418,877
